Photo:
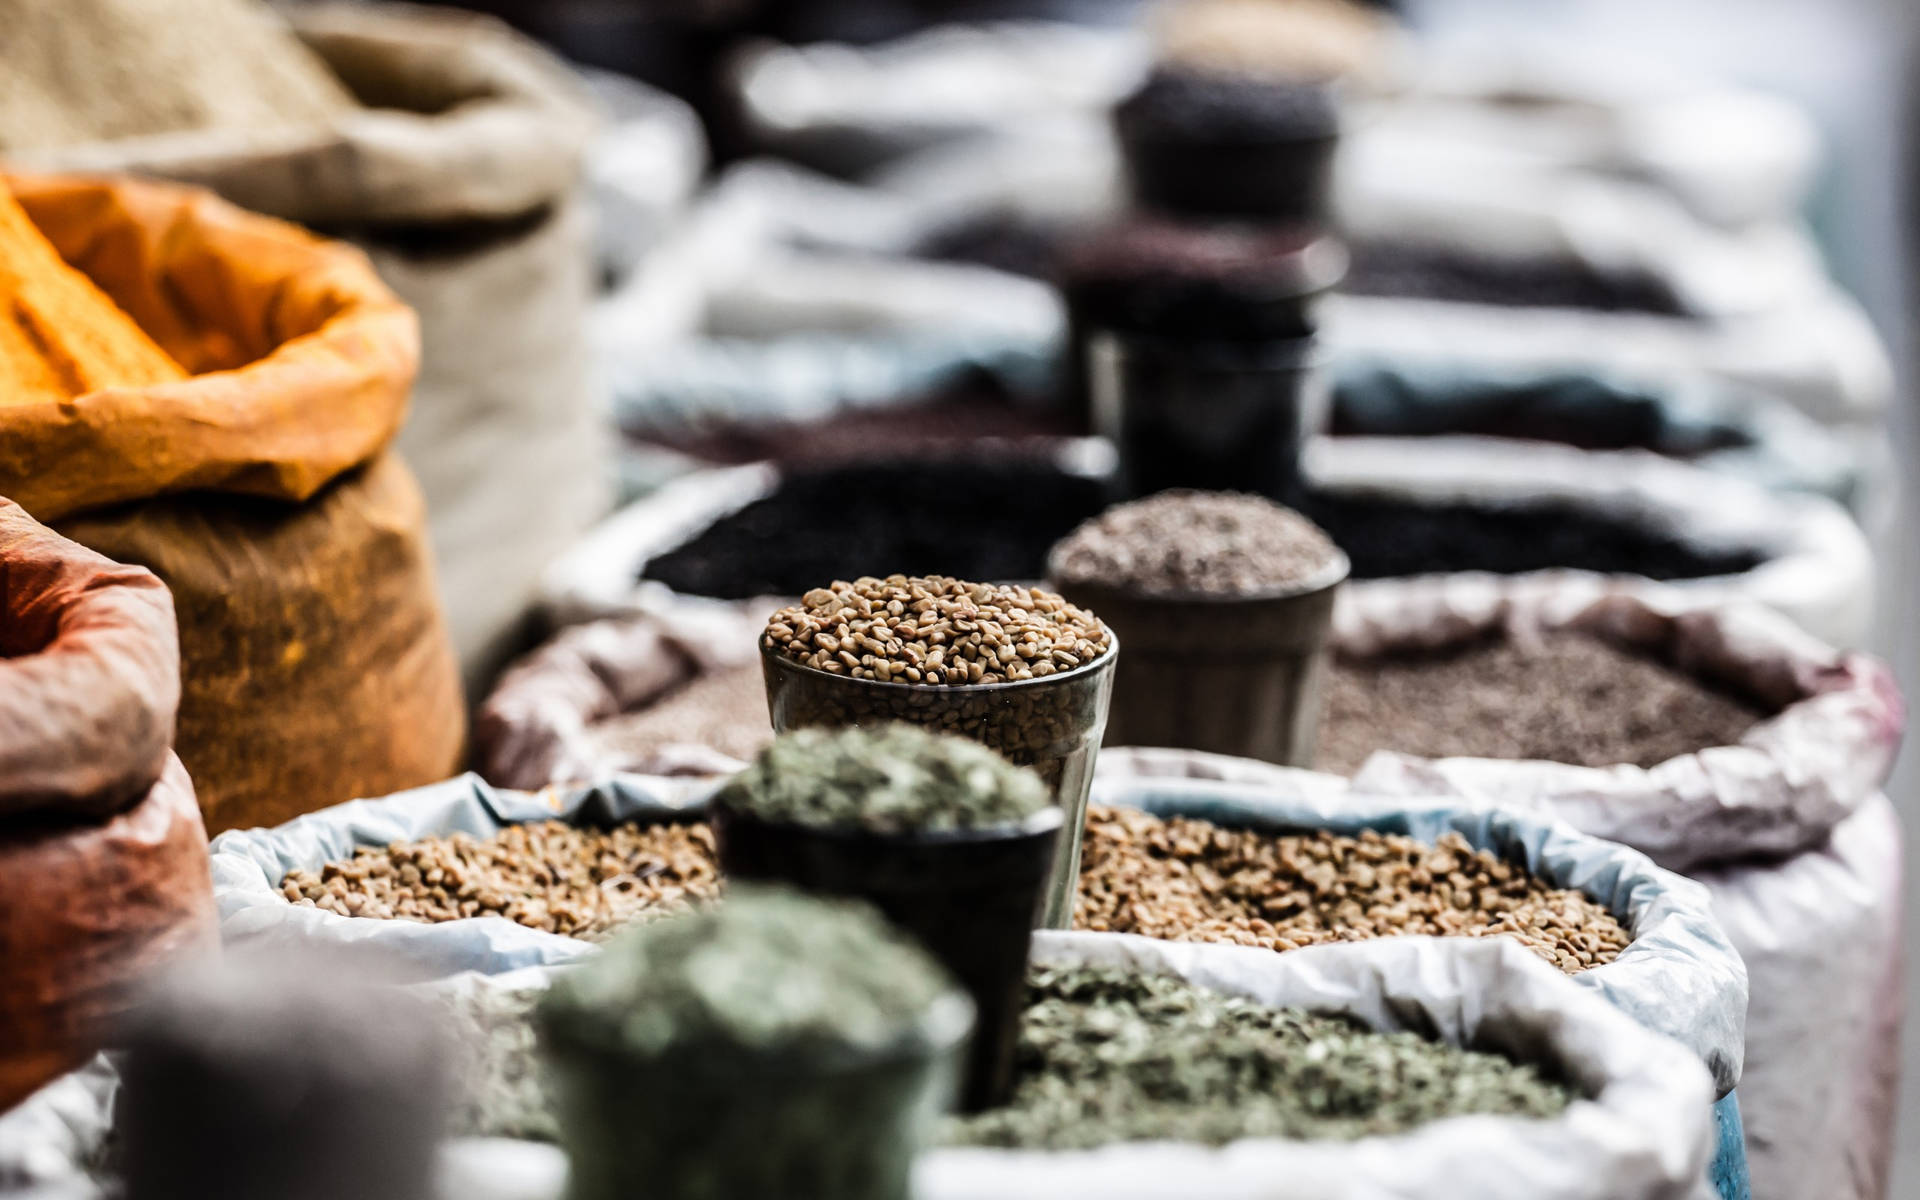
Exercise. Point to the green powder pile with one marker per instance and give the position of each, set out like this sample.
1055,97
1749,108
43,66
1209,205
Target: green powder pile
897,779
1113,1056
764,971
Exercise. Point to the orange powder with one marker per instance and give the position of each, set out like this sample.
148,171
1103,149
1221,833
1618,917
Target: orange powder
60,336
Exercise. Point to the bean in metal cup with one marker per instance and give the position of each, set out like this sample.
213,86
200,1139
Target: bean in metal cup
717,1124
1053,725
1235,675
970,897
1210,416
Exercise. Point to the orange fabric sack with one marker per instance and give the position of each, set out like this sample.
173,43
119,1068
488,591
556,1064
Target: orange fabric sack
103,857
316,665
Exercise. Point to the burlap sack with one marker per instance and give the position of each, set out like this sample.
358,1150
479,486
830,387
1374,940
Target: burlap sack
103,859
459,181
316,661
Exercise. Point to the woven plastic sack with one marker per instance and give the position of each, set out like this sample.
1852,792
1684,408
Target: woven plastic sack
1641,1132
1781,789
1679,976
1817,568
315,659
1820,934
462,183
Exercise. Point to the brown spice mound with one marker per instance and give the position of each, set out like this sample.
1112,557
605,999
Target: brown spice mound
545,875
1188,880
1185,543
1565,698
725,711
936,630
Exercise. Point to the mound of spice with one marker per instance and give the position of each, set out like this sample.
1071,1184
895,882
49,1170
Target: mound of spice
936,630
1561,697
725,711
896,779
78,71
1412,270
1188,880
1185,543
1388,537
1113,1056
765,970
979,519
771,1044
60,336
545,875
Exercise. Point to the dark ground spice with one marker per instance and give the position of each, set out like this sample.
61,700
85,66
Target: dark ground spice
1113,1056
1405,269
990,521
1568,698
1386,537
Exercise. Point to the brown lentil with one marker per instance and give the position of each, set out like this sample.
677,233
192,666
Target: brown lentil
545,875
1188,880
1561,697
936,630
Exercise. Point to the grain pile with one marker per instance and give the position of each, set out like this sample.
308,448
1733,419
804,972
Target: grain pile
1192,881
1110,1055
1561,698
936,630
544,875
79,71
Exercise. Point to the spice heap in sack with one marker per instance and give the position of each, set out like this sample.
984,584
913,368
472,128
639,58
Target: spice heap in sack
102,851
254,481
1111,1055
1190,880
1563,697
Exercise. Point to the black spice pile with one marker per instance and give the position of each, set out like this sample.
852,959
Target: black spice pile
1567,698
1112,1056
1387,537
1413,271
977,520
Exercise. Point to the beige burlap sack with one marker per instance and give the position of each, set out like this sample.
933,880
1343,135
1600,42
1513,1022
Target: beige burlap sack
460,181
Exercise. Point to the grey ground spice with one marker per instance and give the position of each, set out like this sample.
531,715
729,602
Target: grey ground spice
1110,1056
500,1083
1563,697
545,875
936,630
1189,880
1186,543
79,71
724,711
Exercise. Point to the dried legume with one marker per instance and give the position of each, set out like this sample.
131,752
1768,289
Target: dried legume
1111,1056
1189,880
1562,697
545,875
936,630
